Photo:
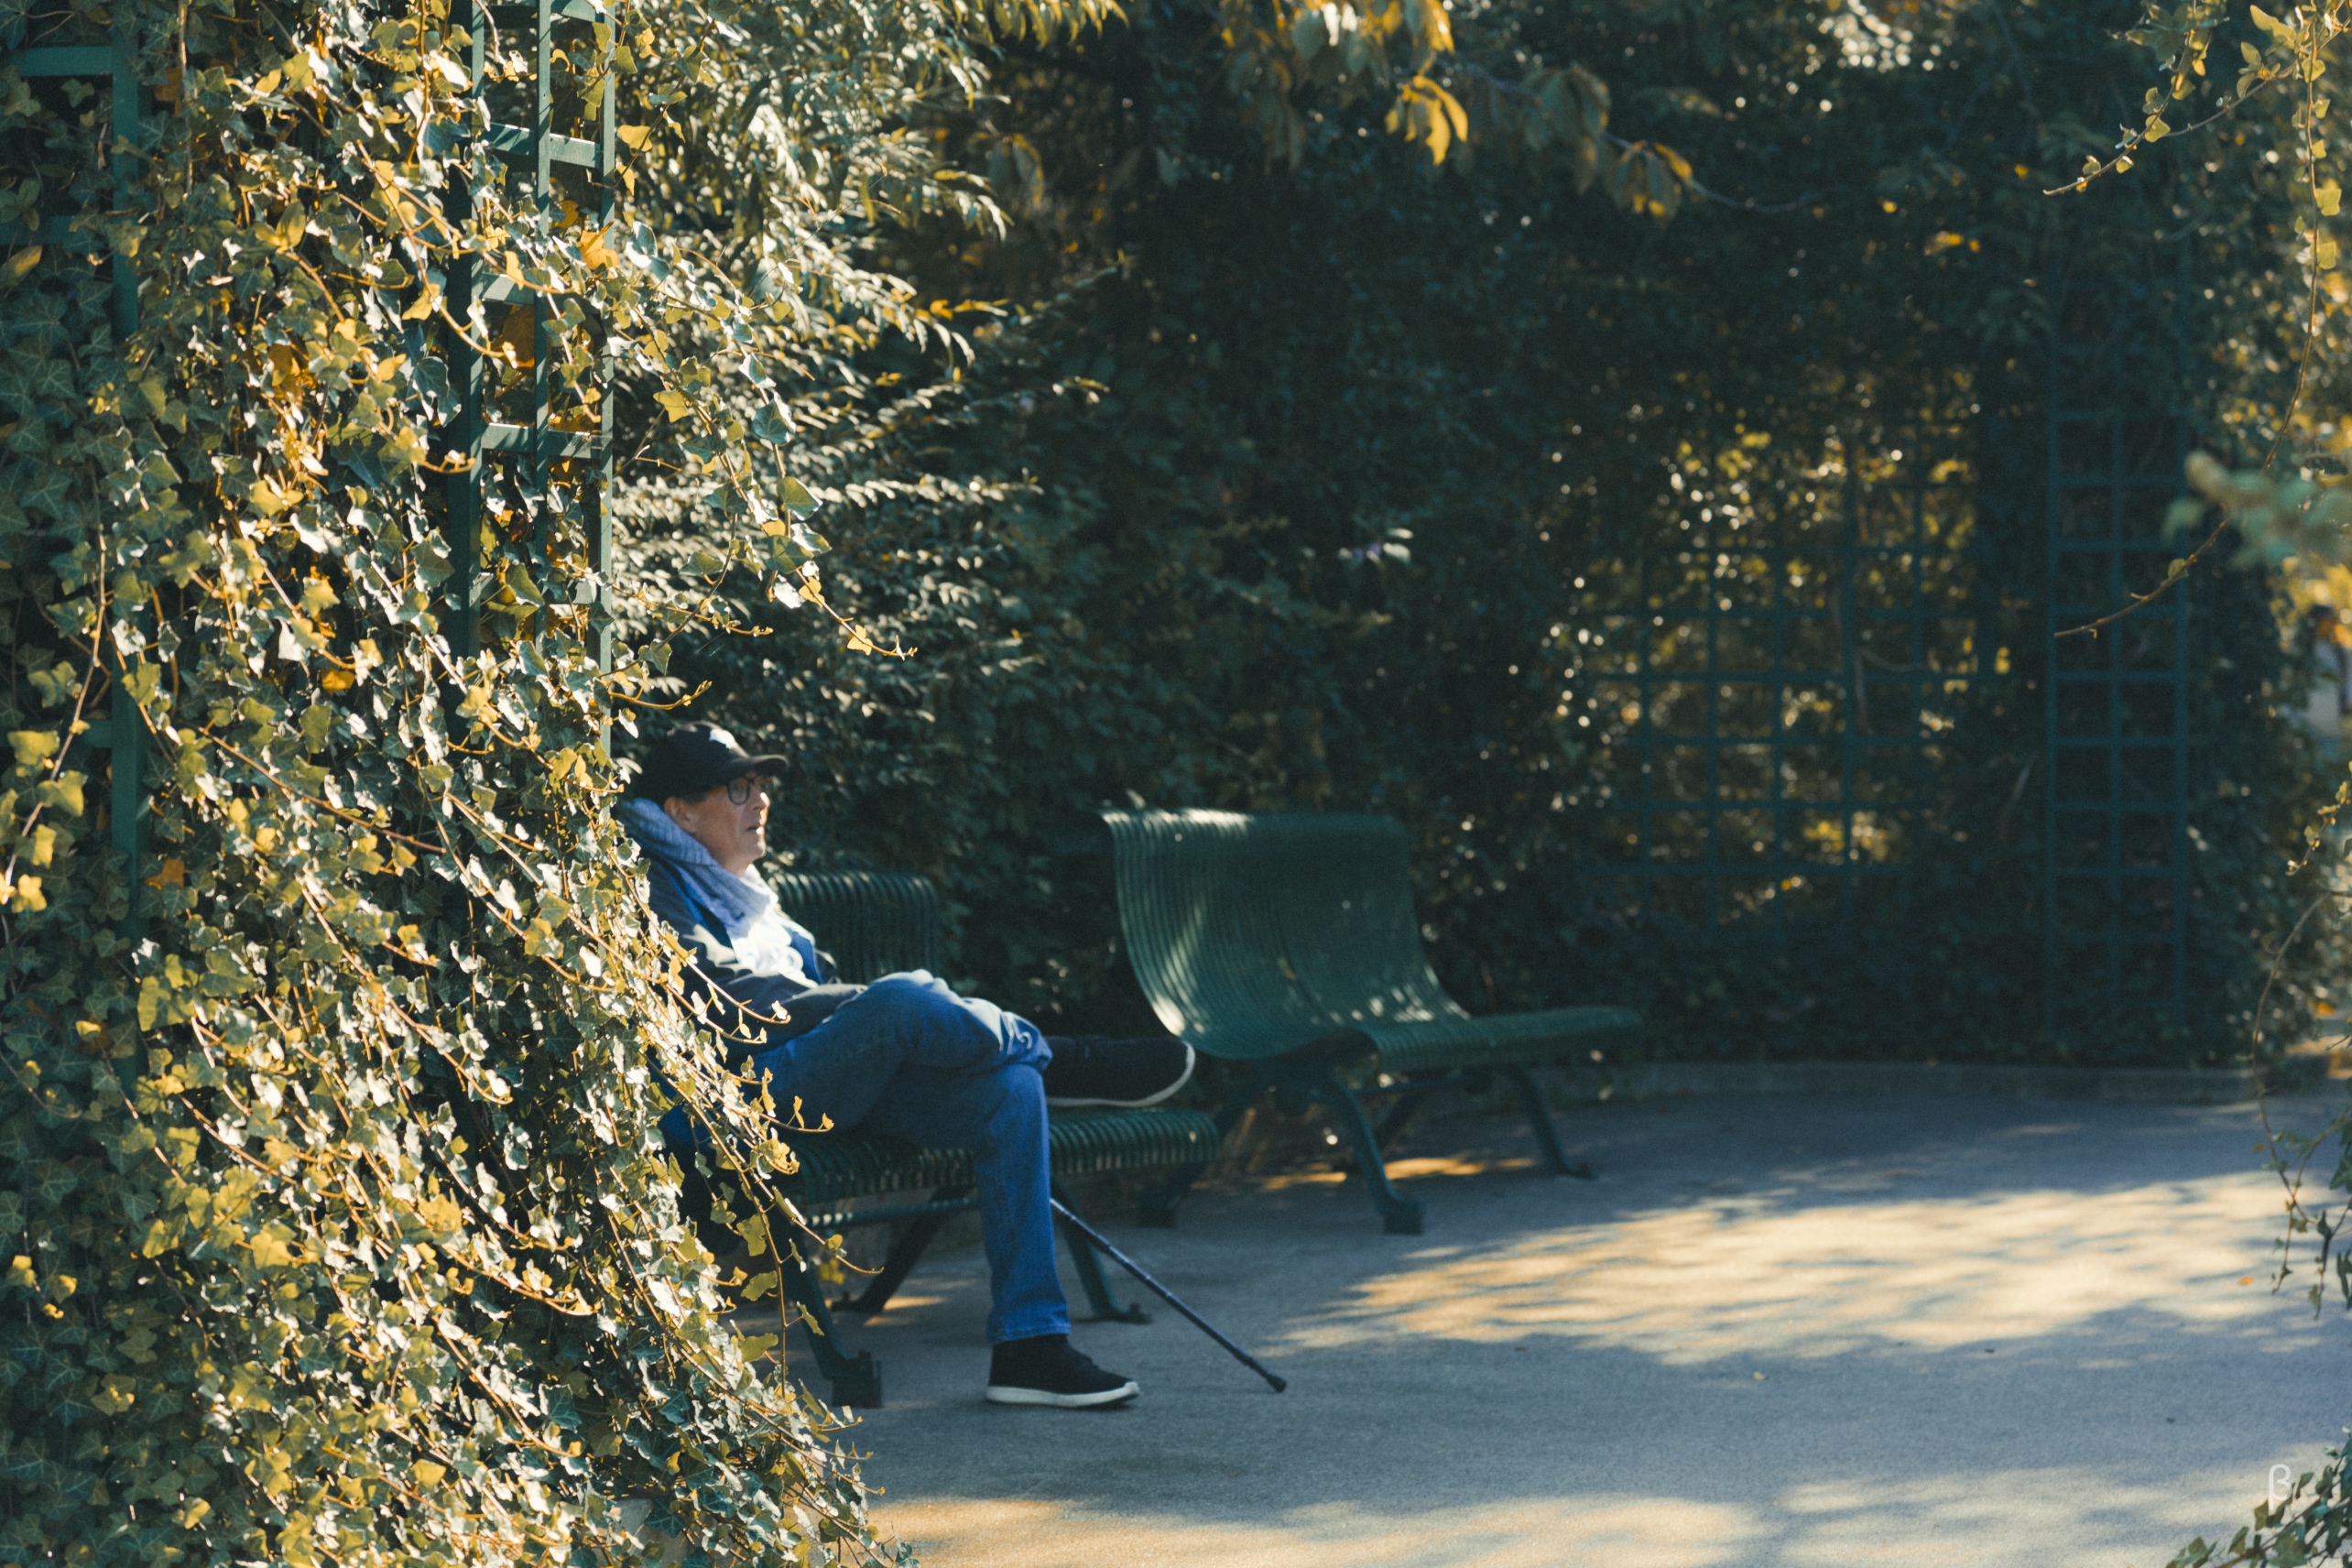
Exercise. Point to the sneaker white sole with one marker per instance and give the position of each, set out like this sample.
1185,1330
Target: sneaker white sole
1013,1394
1191,1060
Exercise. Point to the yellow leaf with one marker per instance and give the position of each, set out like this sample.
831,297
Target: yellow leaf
33,747
2322,254
270,1246
2157,129
429,1473
269,499
2329,196
20,1272
2270,24
1453,109
674,404
17,266
64,792
25,896
1431,25
633,137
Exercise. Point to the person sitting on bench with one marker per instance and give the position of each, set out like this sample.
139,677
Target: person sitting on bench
904,1055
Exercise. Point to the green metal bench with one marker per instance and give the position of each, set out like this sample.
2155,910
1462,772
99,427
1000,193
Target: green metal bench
1289,943
874,923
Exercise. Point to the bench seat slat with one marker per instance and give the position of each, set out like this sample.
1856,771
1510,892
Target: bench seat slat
835,1166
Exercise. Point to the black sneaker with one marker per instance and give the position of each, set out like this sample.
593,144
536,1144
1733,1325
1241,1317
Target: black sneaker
1049,1370
1094,1070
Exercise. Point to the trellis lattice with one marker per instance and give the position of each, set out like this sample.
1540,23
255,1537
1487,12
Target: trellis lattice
530,451
1772,697
69,225
2116,872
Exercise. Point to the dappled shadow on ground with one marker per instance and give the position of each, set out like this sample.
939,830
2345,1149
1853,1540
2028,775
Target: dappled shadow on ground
1775,1332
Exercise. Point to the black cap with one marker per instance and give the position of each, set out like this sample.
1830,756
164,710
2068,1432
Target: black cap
692,760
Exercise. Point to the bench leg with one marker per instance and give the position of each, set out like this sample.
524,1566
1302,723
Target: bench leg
1090,1272
1539,1122
856,1380
1399,1216
1157,1209
1392,1126
905,1253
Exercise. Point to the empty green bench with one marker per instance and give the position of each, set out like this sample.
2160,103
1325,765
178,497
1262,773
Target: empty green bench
877,923
1289,943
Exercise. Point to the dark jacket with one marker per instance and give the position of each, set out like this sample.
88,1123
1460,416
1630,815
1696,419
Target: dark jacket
750,1009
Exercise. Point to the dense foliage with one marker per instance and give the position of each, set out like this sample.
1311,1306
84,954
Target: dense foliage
335,1222
1347,485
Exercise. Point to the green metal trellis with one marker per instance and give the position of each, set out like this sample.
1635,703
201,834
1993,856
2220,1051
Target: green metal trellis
1778,684
2116,891
558,169
121,734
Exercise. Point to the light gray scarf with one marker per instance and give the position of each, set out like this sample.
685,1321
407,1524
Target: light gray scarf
738,902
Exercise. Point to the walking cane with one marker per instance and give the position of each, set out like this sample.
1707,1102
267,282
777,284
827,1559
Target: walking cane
1204,1324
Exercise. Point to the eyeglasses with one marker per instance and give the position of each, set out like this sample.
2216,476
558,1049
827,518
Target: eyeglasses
739,791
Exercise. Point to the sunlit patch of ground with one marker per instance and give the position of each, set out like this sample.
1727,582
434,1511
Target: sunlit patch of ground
1624,1533
1941,1521
1726,1277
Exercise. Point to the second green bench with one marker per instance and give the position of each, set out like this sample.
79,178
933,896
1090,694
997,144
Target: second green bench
1288,942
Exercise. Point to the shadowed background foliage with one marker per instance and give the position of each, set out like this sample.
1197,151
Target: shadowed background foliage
1355,485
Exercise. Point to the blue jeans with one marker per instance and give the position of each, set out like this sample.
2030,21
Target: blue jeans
909,1057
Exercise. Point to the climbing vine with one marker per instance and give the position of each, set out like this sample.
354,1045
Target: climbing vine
333,1221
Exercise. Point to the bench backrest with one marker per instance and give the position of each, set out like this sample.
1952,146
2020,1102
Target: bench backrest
1253,935
872,922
